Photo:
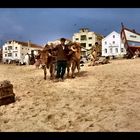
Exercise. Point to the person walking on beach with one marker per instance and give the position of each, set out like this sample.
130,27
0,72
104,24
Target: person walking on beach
97,48
94,57
62,51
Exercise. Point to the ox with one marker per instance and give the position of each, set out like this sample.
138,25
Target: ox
48,60
74,59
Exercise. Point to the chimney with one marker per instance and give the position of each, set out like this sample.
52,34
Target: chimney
29,43
134,30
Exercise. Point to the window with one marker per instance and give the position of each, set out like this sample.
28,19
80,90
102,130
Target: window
110,50
83,37
121,49
116,50
22,48
113,36
15,54
89,45
90,38
105,42
83,44
5,48
15,48
5,55
77,38
9,47
105,50
9,54
113,42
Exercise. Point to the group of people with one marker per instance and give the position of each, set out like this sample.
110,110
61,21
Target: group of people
63,54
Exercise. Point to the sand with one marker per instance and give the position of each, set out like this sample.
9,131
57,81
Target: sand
103,98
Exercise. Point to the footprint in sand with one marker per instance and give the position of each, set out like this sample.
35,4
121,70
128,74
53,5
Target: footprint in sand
34,115
6,121
50,116
1,114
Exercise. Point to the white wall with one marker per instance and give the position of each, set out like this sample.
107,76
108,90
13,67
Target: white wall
15,50
112,42
23,51
18,49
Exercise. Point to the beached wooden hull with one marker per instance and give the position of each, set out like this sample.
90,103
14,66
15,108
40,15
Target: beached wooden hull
131,40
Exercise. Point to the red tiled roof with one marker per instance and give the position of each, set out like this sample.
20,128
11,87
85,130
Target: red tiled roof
26,44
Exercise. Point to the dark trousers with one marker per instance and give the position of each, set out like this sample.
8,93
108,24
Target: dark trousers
61,68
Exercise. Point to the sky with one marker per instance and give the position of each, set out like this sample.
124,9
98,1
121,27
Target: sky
40,25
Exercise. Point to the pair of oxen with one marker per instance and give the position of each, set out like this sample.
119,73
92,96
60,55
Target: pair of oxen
48,55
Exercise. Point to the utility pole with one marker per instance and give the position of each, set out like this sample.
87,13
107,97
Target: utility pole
1,44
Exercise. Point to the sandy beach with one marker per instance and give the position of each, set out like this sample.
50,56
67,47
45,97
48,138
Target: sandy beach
103,98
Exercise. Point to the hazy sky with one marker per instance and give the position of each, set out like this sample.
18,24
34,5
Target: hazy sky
41,25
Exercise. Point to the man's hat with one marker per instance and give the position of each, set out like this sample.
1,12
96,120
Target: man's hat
62,39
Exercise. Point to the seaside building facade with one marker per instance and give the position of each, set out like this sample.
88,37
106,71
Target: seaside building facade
16,50
112,45
87,39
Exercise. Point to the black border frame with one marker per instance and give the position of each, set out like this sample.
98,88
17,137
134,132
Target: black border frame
68,4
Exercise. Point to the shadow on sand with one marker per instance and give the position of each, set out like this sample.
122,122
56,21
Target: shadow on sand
81,74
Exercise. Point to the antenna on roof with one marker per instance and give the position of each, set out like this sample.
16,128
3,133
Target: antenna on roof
134,30
122,24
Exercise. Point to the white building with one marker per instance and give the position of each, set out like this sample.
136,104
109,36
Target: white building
87,39
112,45
0,54
16,50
